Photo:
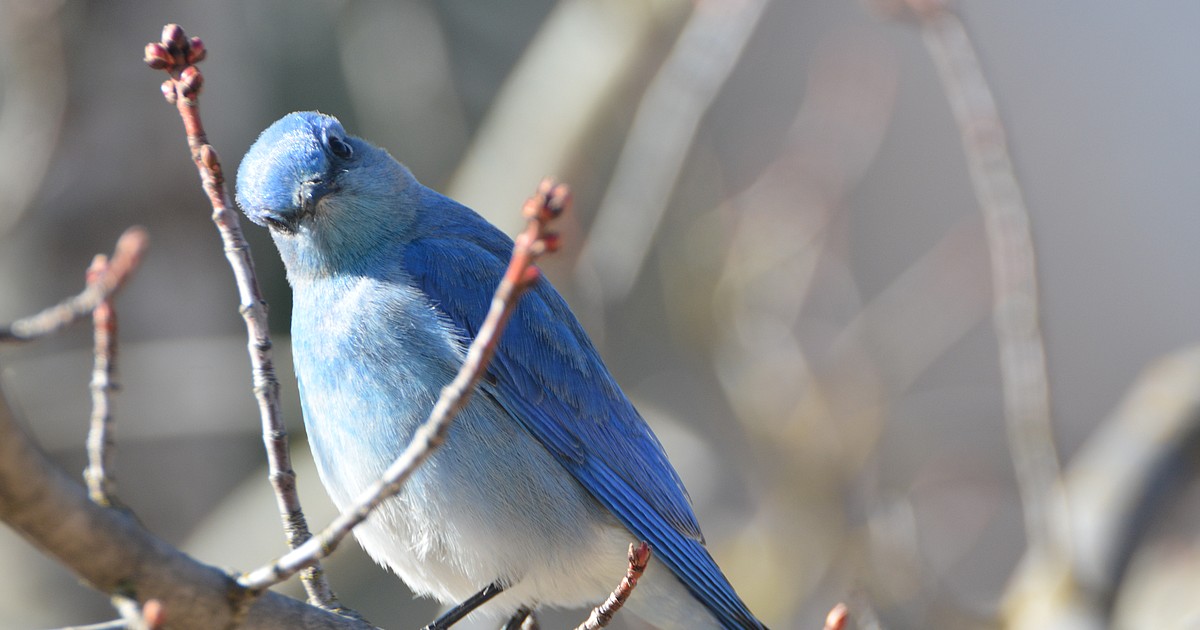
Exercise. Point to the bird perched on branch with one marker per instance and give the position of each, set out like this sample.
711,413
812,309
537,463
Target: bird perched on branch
548,474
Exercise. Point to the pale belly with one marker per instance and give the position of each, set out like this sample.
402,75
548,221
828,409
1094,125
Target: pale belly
492,505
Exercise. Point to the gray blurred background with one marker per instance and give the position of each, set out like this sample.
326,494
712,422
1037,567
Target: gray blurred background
802,315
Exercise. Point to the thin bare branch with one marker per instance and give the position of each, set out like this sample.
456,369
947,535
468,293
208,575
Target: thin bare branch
125,259
639,557
550,201
177,55
1014,268
100,443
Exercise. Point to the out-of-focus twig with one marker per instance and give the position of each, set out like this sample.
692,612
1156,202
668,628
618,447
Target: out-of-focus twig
639,557
150,616
1124,475
820,418
702,59
154,613
902,334
1014,269
837,618
114,624
587,54
124,261
98,474
33,98
178,55
134,615
550,201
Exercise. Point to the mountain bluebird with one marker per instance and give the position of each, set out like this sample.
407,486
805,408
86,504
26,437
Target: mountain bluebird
548,474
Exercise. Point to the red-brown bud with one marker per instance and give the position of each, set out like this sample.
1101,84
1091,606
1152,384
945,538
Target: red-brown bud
531,207
174,38
196,51
191,80
208,157
552,241
530,276
557,201
154,613
97,268
157,56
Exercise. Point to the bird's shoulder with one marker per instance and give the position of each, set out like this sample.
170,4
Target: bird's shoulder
546,372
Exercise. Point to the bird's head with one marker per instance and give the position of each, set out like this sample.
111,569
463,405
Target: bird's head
322,192
292,167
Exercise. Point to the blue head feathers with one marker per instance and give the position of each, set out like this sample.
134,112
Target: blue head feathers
292,166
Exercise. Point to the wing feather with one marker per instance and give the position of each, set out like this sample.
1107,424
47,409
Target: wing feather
550,379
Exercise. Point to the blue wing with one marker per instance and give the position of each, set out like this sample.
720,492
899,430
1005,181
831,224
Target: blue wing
549,377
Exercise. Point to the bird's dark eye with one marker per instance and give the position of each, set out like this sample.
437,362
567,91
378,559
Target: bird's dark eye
339,148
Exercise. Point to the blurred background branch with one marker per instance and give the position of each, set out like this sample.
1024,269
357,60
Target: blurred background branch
33,99
1015,312
659,140
1130,473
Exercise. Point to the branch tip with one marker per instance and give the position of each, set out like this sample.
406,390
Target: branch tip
837,617
177,54
154,613
174,38
638,557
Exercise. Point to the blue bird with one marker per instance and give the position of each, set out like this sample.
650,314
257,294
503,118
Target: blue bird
549,473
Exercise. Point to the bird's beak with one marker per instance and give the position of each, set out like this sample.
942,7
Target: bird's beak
311,192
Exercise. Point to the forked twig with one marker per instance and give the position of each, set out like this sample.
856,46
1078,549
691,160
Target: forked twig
125,259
